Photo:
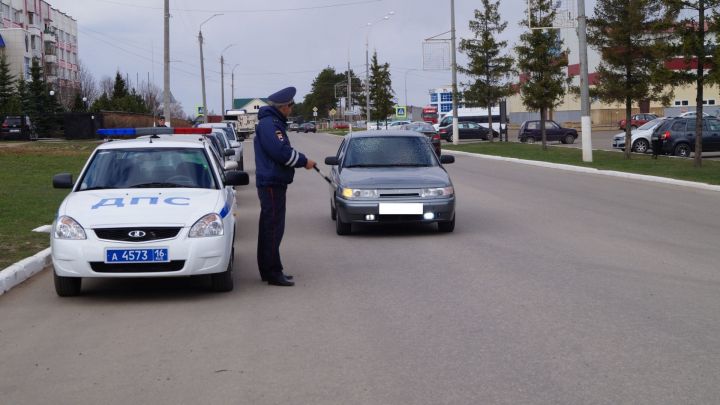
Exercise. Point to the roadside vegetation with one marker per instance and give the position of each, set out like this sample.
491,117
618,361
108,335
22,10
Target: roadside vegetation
663,166
27,197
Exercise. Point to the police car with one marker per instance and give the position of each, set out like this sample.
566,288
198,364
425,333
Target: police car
151,207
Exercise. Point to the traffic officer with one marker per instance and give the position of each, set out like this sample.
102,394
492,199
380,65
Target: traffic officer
275,163
161,121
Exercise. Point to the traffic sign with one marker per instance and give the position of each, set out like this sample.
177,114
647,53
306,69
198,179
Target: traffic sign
315,109
401,111
200,110
314,113
333,112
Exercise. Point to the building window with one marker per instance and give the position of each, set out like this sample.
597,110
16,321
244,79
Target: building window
445,96
27,68
433,98
5,11
681,102
709,102
445,107
31,18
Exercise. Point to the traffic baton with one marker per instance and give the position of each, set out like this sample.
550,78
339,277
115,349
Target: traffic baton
323,176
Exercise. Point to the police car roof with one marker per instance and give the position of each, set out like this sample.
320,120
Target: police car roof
156,141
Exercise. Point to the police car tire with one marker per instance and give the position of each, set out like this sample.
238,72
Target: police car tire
67,286
223,282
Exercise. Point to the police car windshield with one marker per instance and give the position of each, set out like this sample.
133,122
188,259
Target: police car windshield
148,168
389,151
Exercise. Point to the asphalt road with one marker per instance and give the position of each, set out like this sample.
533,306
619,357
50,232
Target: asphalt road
555,288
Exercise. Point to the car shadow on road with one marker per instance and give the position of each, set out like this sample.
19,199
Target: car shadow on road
143,290
398,229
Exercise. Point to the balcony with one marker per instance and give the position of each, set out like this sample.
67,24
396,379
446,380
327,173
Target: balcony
51,78
49,58
49,38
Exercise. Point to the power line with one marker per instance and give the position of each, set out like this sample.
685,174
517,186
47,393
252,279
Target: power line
276,10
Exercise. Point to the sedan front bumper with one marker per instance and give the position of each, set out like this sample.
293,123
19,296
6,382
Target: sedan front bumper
443,209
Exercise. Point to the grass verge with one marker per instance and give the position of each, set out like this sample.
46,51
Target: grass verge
27,198
664,166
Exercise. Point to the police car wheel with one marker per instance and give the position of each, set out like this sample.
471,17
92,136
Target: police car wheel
67,286
223,282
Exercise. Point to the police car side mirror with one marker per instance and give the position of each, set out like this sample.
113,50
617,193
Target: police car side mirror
229,152
236,178
444,159
331,161
62,180
234,144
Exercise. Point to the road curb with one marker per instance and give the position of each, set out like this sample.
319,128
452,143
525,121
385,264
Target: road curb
24,269
590,170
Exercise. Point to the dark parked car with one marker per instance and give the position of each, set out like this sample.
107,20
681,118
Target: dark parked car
294,127
466,130
637,120
390,176
307,127
17,128
428,130
677,136
530,132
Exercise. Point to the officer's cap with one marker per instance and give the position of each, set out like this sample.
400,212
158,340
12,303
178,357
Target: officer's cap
284,96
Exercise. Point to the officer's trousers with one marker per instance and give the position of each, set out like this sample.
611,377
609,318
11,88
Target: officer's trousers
270,229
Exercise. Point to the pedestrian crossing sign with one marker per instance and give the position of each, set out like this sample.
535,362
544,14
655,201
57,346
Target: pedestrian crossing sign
200,110
400,111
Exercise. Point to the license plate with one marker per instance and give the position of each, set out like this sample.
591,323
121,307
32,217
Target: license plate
137,255
400,209
14,130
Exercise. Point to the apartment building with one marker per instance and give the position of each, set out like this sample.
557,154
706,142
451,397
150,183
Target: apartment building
33,29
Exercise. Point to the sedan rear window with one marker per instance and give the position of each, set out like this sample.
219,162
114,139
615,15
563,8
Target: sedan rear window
389,151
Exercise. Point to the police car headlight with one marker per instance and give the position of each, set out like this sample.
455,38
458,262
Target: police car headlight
437,192
67,228
355,193
209,225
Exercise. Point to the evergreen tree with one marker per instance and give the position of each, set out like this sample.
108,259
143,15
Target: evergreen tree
695,31
7,91
40,105
489,70
382,102
322,94
631,36
120,88
541,61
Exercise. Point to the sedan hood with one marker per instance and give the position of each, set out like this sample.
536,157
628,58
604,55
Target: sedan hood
394,177
129,207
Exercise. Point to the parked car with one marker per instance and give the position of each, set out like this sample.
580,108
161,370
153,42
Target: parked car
157,207
390,177
307,127
340,125
677,135
637,120
466,130
232,141
428,130
640,139
17,128
294,127
530,132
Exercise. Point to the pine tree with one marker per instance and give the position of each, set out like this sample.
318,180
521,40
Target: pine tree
381,93
694,32
541,59
489,70
120,88
7,91
631,38
322,94
38,106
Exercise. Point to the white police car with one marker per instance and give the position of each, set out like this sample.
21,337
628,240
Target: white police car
153,207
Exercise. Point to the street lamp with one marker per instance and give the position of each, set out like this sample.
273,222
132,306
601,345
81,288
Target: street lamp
222,77
202,66
232,86
367,63
84,100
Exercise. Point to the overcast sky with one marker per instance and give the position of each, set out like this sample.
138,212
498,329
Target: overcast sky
278,43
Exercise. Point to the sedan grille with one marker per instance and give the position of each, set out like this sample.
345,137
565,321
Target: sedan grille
100,267
137,234
403,193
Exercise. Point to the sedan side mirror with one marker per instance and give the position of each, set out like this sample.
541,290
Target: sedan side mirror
229,152
331,161
236,178
445,159
62,180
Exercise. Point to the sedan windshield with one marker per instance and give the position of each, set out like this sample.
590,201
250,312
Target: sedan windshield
389,151
146,168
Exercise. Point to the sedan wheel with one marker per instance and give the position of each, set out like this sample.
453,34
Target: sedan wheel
333,212
682,150
569,138
447,226
342,228
530,139
641,146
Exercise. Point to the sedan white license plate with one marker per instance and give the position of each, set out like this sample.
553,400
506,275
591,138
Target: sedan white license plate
137,255
400,209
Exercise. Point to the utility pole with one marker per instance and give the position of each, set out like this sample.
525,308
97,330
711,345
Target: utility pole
202,75
348,102
222,84
367,83
166,64
585,121
456,131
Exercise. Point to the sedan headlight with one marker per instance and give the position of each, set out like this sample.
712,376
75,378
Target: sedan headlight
437,192
355,193
68,228
209,225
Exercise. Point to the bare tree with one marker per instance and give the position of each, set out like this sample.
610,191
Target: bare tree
107,85
88,85
151,93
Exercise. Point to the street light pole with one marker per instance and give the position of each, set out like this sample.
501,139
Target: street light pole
222,78
367,64
232,86
585,121
456,131
166,63
202,67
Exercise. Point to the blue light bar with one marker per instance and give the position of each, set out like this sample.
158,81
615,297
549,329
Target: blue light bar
116,132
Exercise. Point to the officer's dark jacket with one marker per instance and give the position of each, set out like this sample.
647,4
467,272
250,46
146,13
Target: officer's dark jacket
275,159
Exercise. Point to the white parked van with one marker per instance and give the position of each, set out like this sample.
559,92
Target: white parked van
473,114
